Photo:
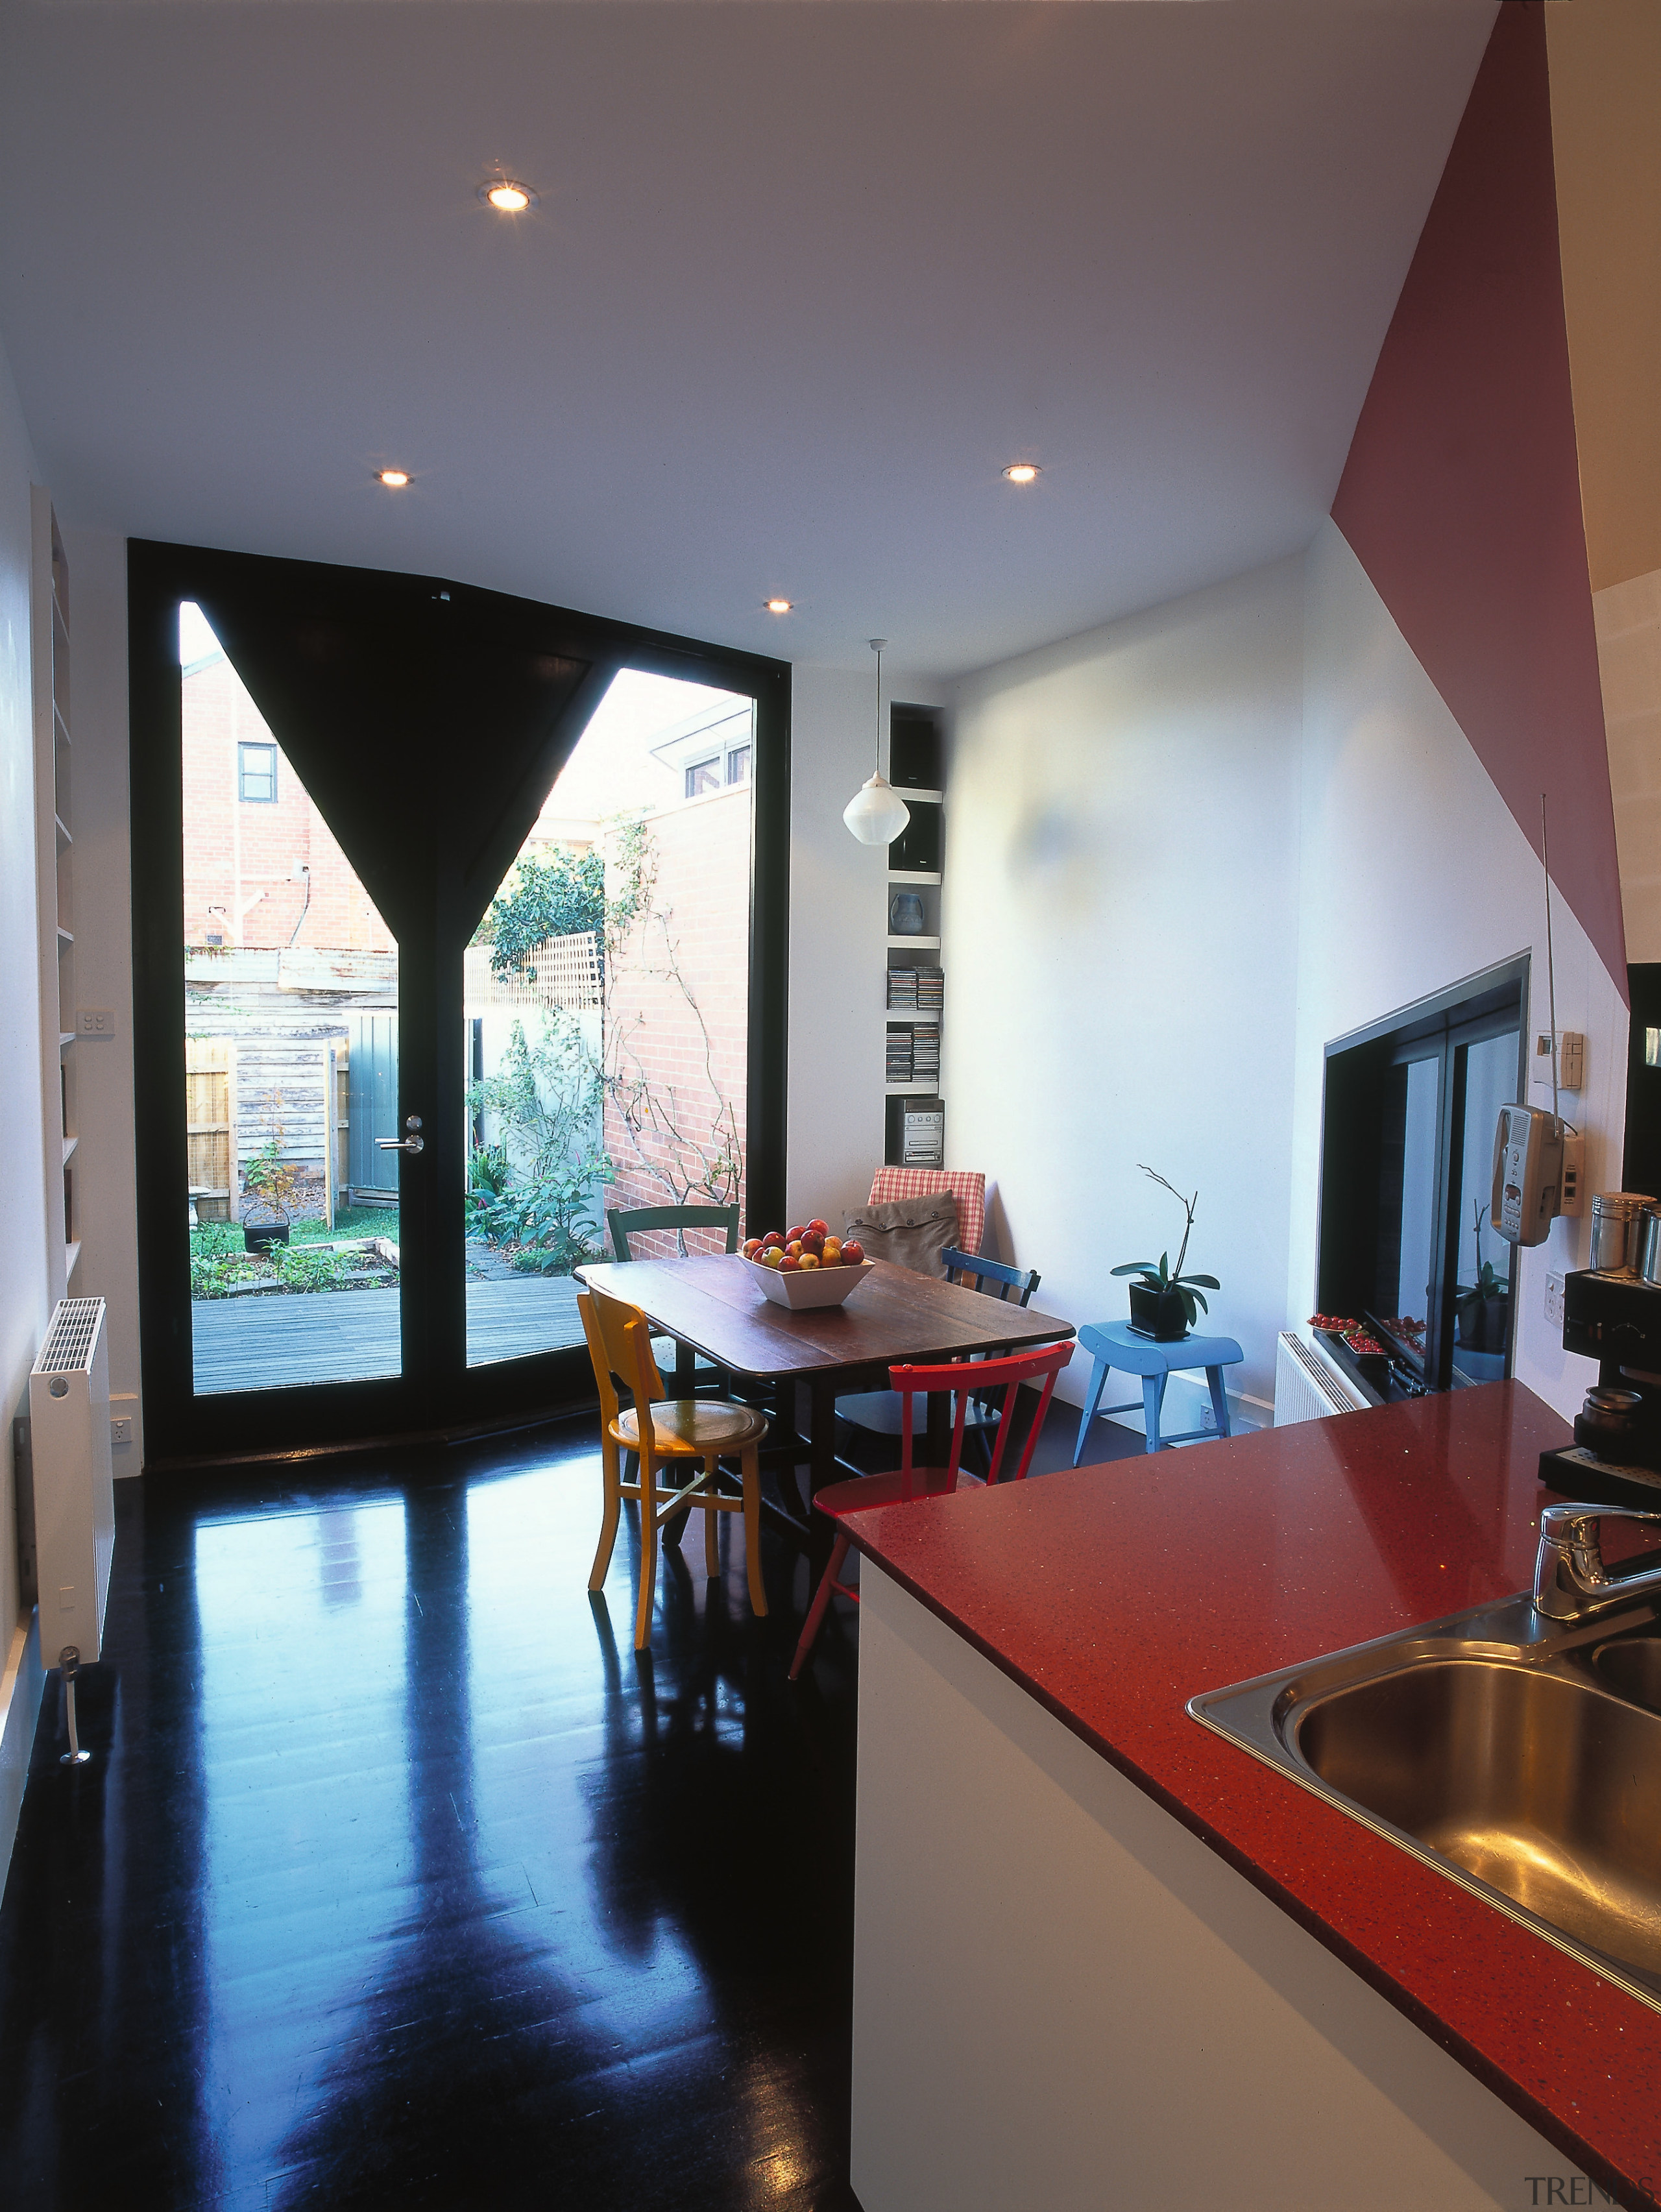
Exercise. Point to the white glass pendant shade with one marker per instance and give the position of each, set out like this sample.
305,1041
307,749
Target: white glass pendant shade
876,813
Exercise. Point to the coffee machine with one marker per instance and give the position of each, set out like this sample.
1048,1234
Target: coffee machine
1613,1318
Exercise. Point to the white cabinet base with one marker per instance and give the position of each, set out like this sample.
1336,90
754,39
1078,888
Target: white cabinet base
1063,2001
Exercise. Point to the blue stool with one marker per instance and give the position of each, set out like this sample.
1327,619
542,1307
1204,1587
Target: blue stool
1116,1344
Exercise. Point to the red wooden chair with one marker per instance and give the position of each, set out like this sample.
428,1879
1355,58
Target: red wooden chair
982,1377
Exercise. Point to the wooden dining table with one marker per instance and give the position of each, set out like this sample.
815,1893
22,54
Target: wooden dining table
714,1305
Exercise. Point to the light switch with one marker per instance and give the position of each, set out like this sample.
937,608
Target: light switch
1571,1059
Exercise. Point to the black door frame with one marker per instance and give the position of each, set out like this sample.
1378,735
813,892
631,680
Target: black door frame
437,1394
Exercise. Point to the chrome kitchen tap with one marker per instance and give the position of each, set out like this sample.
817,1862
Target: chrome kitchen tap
1571,1582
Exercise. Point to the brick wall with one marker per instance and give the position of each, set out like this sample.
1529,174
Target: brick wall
240,856
702,898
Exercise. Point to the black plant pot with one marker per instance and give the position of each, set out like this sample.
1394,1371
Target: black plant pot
1482,1323
1159,1313
257,1240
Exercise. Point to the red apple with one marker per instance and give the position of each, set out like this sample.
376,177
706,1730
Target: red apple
750,1246
795,1247
795,1236
821,1228
789,1266
813,1242
772,1238
852,1254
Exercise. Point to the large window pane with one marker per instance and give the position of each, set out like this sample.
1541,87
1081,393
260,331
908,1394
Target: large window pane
607,1008
290,1063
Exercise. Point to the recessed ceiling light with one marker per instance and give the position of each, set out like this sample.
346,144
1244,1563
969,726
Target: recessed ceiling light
1022,472
780,606
507,197
394,479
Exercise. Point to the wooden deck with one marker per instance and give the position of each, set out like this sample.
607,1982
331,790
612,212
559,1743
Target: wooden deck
280,1340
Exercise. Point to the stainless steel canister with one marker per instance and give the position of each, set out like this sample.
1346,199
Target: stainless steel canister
1648,1258
1614,1217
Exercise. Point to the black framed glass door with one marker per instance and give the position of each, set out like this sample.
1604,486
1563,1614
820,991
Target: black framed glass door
342,784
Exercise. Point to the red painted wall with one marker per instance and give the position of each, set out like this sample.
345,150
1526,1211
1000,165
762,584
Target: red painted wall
1461,495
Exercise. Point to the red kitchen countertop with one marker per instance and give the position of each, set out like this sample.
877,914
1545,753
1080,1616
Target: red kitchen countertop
1113,1594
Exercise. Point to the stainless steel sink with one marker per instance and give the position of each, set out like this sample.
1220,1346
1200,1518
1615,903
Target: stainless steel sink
1517,1756
1632,1666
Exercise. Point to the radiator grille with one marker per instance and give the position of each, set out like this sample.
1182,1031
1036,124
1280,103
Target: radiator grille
1305,1387
68,1349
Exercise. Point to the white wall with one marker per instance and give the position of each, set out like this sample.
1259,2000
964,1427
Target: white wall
1415,874
838,938
1121,935
1186,853
104,1160
23,1270
1628,618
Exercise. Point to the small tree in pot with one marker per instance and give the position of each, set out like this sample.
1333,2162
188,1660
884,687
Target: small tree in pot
1164,1303
271,1185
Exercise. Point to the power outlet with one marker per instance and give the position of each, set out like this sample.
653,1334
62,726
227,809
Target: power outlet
120,1429
94,1022
1554,1300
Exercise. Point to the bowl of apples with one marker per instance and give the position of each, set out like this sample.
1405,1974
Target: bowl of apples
807,1267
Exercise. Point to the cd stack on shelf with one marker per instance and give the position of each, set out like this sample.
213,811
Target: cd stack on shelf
931,991
902,990
899,1056
926,1052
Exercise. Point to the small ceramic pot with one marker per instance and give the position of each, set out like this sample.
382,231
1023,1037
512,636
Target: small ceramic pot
906,915
1159,1314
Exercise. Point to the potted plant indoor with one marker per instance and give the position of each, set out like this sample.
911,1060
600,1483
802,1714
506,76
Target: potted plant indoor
1164,1303
1483,1307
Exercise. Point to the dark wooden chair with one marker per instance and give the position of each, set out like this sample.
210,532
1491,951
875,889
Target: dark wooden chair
879,1413
843,1501
691,1376
625,1222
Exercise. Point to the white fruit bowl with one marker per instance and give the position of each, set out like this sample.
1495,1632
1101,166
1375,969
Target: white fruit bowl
808,1286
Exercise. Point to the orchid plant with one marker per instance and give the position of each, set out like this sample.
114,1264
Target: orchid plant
1165,1280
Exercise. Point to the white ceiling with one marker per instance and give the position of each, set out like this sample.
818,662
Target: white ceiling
802,279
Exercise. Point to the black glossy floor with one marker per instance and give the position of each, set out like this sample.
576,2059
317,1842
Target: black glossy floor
396,1880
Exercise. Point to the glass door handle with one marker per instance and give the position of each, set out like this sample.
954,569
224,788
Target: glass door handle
412,1143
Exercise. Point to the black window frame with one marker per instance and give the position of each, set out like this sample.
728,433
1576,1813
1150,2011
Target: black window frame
1353,1138
245,797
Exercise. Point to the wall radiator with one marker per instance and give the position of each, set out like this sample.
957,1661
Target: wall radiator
1308,1388
74,1491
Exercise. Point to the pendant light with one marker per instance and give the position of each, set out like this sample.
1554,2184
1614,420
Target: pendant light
876,813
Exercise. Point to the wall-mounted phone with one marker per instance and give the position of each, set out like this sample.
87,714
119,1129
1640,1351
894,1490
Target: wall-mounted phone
1527,1174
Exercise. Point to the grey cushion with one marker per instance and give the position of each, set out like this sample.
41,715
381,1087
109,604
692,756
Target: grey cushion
912,1232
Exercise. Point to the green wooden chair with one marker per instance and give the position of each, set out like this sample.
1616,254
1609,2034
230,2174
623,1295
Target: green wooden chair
625,1222
690,1374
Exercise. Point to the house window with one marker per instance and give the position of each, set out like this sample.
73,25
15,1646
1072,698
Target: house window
738,764
256,774
1407,1248
703,776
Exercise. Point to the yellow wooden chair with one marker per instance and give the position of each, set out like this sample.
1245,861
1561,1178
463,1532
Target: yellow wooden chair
661,1430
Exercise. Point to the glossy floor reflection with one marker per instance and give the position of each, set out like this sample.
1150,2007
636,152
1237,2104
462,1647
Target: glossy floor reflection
395,1879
